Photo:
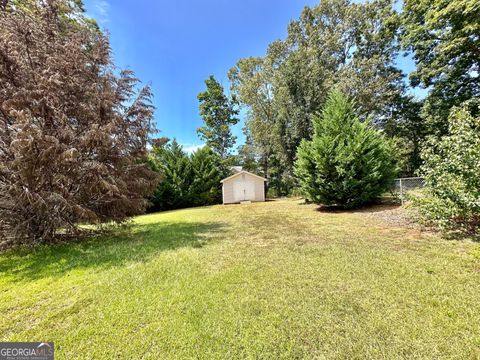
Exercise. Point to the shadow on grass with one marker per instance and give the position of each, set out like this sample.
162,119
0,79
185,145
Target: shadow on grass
377,206
138,244
461,236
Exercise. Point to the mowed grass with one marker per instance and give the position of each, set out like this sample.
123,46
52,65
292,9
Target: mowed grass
274,280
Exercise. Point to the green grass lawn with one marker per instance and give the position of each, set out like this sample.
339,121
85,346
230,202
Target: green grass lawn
274,280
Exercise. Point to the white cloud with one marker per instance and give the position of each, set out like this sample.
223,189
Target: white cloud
102,7
100,11
191,148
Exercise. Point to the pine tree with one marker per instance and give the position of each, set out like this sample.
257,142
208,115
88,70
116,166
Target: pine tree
206,187
73,130
347,163
175,169
219,114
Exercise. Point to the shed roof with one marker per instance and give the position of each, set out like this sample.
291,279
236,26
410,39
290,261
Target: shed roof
240,173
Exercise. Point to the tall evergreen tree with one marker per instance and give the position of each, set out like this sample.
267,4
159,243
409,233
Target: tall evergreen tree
347,163
175,169
207,173
251,83
73,132
186,181
219,114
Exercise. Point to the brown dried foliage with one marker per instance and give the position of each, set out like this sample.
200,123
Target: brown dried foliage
73,135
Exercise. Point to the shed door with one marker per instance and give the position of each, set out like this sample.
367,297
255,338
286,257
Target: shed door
243,189
249,189
239,188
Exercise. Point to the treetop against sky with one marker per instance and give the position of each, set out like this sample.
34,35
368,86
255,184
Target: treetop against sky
176,45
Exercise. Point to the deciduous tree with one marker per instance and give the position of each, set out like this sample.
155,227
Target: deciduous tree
451,170
443,36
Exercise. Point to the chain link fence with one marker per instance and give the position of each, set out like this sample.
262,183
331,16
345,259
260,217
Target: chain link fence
403,186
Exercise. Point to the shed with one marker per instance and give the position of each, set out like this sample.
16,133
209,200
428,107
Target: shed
243,186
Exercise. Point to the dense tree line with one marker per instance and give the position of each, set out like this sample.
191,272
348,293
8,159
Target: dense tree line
336,151
355,47
335,44
443,37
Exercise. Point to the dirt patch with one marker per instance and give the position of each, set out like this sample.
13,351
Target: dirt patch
394,216
386,211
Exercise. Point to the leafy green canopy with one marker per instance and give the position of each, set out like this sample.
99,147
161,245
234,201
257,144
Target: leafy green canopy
443,36
451,171
347,163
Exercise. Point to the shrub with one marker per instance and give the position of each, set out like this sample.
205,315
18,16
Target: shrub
175,169
347,163
451,198
73,134
186,180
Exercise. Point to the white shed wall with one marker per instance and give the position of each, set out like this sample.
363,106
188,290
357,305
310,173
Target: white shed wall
227,190
259,190
254,189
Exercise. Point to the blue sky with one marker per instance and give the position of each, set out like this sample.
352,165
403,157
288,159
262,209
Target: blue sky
175,45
